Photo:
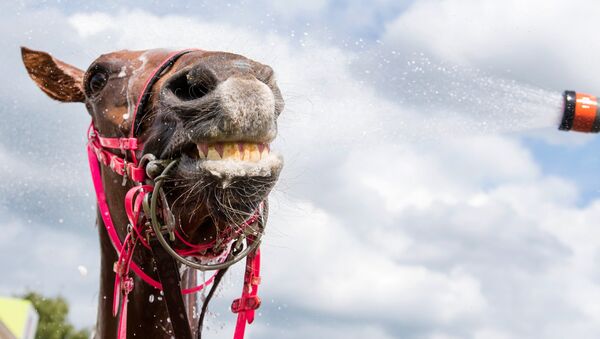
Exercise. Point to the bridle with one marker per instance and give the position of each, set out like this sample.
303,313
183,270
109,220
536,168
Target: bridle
152,225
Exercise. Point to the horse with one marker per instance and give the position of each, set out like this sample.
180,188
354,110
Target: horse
179,150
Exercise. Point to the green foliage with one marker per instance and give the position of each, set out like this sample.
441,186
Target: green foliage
53,322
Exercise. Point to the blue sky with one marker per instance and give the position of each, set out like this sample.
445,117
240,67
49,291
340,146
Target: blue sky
424,194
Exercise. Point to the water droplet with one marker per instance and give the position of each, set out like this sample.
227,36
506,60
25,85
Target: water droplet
83,271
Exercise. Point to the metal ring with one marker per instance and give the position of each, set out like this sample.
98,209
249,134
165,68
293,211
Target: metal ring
145,159
152,206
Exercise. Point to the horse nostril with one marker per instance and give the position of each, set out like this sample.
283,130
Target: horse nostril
194,84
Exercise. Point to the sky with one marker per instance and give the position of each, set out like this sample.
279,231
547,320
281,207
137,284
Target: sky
427,193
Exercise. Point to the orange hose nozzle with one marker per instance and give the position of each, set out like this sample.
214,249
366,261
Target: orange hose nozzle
580,113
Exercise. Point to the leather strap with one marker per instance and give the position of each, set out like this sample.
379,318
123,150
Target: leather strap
216,282
246,305
166,267
138,112
116,163
119,143
94,163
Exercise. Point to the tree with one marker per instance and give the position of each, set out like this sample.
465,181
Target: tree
53,318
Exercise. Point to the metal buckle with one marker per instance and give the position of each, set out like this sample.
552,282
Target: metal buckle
124,143
245,303
125,173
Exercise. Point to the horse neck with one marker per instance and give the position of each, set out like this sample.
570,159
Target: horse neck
147,313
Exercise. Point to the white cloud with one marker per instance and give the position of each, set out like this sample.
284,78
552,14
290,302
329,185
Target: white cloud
297,7
46,260
334,270
540,41
490,334
89,25
323,330
424,174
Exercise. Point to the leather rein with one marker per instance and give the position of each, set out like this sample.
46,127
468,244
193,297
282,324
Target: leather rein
145,203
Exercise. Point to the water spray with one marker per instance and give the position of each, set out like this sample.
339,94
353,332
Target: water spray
581,113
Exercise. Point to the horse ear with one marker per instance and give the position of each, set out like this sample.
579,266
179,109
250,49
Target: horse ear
57,79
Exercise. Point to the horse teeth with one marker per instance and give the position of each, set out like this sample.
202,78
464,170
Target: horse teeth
245,151
254,154
219,148
265,151
213,154
231,151
251,152
202,150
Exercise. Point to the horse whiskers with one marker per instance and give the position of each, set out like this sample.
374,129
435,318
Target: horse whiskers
196,194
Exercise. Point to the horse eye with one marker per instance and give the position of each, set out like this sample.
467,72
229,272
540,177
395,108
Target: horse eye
97,82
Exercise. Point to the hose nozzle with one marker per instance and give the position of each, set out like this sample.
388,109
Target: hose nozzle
581,113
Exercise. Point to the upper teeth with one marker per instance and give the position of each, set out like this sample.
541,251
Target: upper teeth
233,150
